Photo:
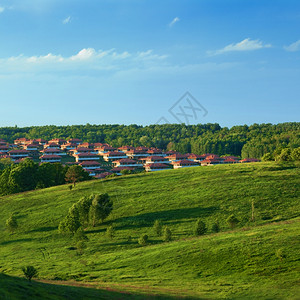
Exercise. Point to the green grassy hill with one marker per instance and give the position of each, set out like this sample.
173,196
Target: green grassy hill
256,260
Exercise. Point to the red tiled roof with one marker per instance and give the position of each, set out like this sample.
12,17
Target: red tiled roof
90,163
18,151
184,162
114,153
126,160
50,156
86,155
156,166
119,169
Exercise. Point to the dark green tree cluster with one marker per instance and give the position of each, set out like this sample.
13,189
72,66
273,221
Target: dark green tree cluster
245,141
283,154
89,210
29,175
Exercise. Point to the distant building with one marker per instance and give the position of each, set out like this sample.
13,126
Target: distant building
156,167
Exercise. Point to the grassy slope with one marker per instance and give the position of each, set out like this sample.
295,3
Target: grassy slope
205,266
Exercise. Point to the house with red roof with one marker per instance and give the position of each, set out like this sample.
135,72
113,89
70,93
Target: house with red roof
68,146
50,158
136,154
249,160
156,152
52,146
125,149
113,155
156,167
127,162
184,163
176,157
86,156
154,159
75,141
196,157
57,141
54,151
18,153
4,149
104,149
90,165
118,170
31,147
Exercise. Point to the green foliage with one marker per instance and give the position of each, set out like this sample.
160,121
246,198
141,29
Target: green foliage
11,223
126,172
200,228
29,272
215,227
100,208
280,254
71,222
143,240
267,157
80,235
110,232
167,234
81,246
232,221
285,155
295,155
157,227
83,207
75,174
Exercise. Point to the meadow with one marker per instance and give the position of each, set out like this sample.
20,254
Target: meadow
257,259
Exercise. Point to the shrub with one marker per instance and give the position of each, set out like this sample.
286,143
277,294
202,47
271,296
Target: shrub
81,245
29,272
232,221
110,232
157,227
280,254
143,240
167,235
200,228
100,208
80,235
11,223
215,227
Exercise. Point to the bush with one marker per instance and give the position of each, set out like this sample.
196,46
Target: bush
167,235
157,227
232,221
29,272
143,240
80,235
100,208
110,232
81,245
215,227
200,228
11,223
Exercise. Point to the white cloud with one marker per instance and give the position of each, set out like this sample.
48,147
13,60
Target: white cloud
175,20
67,20
244,45
293,47
87,59
2,9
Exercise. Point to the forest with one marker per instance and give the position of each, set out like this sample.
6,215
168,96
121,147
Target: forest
245,141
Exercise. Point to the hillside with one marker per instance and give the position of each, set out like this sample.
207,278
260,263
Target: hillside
258,259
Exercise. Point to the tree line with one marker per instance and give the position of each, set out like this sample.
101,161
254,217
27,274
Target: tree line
245,141
28,175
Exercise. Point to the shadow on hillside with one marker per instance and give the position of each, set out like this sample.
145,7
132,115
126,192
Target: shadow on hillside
18,288
16,241
44,229
174,215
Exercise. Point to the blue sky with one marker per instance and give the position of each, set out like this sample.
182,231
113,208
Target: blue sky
129,61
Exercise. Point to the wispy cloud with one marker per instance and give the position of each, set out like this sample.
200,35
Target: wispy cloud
244,45
2,9
175,20
293,47
85,59
67,20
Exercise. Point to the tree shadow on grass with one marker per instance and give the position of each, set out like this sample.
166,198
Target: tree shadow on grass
18,288
173,215
16,241
44,229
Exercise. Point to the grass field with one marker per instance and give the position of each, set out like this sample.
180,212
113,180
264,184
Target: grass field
259,259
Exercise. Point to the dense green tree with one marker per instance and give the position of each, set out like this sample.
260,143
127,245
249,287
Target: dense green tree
232,221
75,174
100,208
29,272
11,223
157,227
200,227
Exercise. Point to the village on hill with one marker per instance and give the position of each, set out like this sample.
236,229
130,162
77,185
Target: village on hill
101,160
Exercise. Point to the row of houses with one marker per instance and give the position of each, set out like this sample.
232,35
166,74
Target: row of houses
101,160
